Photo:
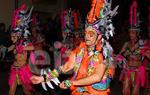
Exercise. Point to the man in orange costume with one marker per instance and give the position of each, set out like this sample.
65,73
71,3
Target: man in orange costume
89,68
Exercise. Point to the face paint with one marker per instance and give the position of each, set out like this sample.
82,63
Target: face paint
90,37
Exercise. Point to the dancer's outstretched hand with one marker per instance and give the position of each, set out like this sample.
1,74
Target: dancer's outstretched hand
37,79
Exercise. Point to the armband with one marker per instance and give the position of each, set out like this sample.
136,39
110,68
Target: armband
55,73
67,83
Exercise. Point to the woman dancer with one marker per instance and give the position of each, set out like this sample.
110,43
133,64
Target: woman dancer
20,72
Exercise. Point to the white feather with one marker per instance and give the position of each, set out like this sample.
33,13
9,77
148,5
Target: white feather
50,85
44,86
55,80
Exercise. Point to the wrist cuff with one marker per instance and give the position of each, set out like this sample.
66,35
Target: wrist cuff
67,83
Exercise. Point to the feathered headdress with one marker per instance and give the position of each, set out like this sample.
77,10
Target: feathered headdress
66,21
134,17
21,20
70,20
102,24
71,25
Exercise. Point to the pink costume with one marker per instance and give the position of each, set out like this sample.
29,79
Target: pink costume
137,74
134,69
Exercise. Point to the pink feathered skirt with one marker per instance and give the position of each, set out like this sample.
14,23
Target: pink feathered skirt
23,74
137,75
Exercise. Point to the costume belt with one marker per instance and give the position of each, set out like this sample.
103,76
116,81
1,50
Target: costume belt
132,68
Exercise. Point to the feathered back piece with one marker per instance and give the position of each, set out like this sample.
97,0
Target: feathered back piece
102,24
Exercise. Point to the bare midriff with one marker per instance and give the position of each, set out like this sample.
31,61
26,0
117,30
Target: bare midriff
20,60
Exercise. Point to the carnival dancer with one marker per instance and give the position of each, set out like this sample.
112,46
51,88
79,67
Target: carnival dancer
92,61
70,24
20,72
133,73
133,53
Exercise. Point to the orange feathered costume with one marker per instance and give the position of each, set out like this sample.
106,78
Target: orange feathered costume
83,71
